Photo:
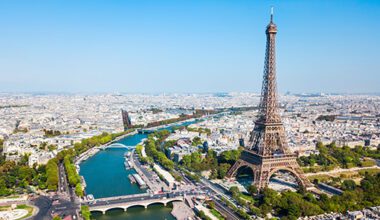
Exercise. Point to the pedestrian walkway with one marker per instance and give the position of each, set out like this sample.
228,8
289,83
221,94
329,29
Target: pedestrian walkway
181,211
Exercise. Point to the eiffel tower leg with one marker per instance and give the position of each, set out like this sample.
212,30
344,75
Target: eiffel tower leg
261,177
256,173
232,171
303,180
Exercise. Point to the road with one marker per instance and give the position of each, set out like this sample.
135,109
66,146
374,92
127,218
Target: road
152,180
217,190
341,170
144,197
63,186
225,210
44,205
65,202
219,205
214,193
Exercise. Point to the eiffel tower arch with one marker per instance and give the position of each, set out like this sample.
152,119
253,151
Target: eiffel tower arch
264,168
268,151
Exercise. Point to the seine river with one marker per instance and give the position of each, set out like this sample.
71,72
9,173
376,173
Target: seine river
106,176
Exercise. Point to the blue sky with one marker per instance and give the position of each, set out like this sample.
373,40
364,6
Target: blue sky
187,46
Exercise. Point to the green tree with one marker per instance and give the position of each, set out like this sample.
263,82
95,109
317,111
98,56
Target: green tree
229,156
223,169
234,190
252,189
211,204
348,185
52,174
196,141
85,212
79,190
4,191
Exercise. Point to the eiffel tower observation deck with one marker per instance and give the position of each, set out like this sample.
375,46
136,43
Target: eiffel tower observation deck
268,150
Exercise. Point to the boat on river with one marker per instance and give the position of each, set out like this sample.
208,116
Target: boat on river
127,164
131,179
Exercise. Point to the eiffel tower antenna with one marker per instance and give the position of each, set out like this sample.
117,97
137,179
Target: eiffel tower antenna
271,14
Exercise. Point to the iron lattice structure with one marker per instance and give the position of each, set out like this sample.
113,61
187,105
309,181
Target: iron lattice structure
268,151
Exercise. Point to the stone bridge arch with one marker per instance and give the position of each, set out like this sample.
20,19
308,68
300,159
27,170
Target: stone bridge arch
165,202
134,206
126,206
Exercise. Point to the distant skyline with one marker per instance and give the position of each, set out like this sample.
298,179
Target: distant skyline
187,46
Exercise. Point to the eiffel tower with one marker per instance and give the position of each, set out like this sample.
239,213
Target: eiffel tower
268,151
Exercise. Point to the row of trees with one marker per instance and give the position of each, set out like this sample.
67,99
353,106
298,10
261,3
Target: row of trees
51,133
330,156
153,149
72,175
71,172
19,177
67,156
52,174
288,205
85,212
292,205
98,140
197,114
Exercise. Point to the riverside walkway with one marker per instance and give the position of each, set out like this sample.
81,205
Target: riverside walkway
181,211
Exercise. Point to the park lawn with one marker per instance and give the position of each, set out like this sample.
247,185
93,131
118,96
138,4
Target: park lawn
10,197
319,177
217,214
248,198
4,208
370,171
26,207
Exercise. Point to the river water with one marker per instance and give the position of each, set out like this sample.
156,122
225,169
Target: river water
106,176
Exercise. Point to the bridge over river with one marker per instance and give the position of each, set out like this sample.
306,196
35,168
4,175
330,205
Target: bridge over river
118,145
143,200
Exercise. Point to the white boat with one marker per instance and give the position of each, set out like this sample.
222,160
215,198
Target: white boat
126,164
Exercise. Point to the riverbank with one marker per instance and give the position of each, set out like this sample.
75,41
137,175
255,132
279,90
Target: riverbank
92,151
